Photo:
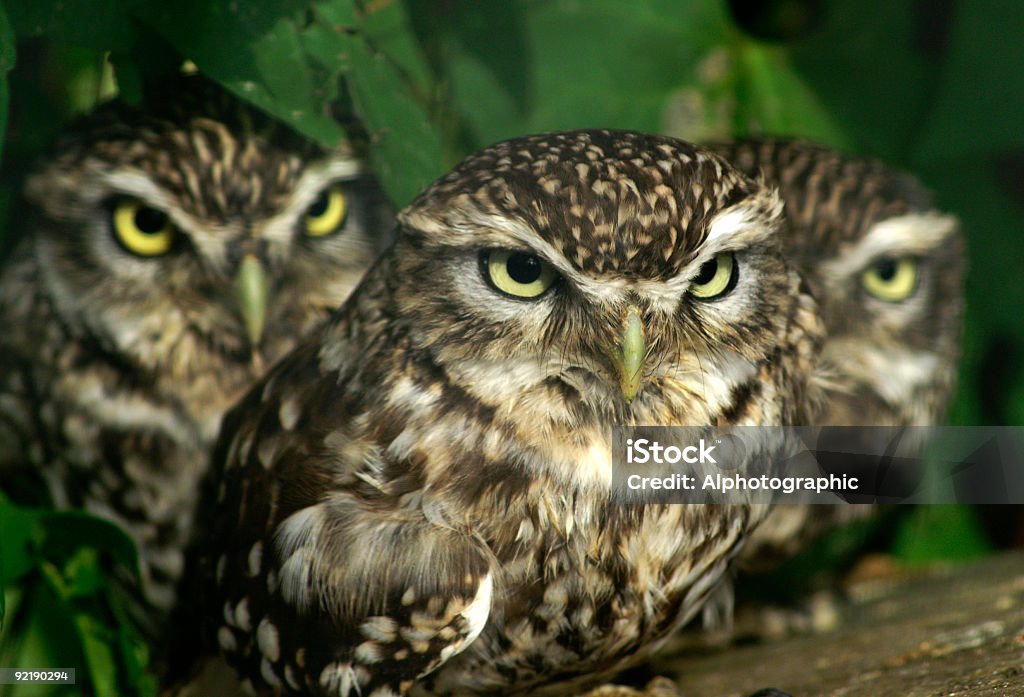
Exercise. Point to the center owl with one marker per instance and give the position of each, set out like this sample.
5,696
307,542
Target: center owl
417,499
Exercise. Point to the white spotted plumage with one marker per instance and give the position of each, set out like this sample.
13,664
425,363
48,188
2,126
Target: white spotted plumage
434,500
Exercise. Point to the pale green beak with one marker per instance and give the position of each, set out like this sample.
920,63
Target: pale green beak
250,286
628,354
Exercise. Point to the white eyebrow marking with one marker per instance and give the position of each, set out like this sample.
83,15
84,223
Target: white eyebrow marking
913,234
738,227
312,181
209,238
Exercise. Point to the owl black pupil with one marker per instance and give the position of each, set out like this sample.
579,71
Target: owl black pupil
319,206
523,268
150,220
886,269
707,272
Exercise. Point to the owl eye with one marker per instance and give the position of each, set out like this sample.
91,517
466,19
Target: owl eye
716,277
892,279
142,230
517,274
327,214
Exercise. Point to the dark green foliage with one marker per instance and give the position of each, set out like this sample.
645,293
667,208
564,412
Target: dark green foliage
933,87
63,608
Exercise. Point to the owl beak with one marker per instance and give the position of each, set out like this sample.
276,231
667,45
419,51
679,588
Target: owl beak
629,352
250,287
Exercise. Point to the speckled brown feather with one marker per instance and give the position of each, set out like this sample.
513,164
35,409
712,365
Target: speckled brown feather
115,370
831,198
615,204
833,202
433,462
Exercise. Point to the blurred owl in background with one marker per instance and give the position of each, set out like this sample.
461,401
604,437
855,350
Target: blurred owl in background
887,270
173,251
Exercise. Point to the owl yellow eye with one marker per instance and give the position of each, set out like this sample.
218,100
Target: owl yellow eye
891,279
518,274
327,213
716,278
142,230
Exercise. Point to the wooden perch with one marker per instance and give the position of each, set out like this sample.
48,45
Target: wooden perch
956,631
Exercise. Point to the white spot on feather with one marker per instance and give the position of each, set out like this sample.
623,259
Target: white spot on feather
267,640
476,614
255,558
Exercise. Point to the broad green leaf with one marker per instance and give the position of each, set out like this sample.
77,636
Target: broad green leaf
676,68
870,72
325,49
485,81
386,26
940,532
100,657
41,633
257,54
406,149
67,531
774,99
573,65
83,573
22,533
405,146
980,103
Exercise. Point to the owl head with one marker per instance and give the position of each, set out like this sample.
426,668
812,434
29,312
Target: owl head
598,277
887,269
192,233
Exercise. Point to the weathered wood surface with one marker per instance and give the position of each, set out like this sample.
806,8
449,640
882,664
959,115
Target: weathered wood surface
952,632
957,631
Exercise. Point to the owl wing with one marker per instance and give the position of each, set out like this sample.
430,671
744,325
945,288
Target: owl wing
327,577
21,446
17,430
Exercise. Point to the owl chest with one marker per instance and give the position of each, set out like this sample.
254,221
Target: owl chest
594,600
113,445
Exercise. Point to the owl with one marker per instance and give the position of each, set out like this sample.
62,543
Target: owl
887,270
416,499
173,251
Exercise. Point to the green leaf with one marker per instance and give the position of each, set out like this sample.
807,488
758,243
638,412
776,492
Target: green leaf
255,53
67,531
22,534
940,532
83,573
406,149
386,26
42,633
677,68
870,72
980,104
774,99
100,657
539,66
405,146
